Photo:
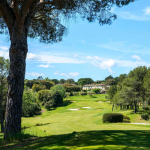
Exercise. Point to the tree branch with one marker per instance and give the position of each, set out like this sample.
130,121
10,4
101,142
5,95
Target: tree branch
7,13
16,9
25,7
31,14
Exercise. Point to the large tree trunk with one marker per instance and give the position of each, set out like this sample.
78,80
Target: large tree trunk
2,120
135,108
127,106
17,53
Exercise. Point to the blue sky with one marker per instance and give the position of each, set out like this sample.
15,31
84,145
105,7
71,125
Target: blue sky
91,50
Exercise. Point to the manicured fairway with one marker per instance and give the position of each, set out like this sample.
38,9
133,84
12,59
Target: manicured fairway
60,124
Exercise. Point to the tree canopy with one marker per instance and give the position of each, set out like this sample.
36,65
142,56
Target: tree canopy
42,18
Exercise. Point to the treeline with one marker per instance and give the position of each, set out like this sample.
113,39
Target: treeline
132,90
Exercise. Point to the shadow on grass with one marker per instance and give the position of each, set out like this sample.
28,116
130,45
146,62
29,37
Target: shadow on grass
19,137
66,103
41,124
101,139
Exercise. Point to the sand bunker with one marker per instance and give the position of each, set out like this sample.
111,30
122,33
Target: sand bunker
100,102
141,123
73,101
86,107
74,109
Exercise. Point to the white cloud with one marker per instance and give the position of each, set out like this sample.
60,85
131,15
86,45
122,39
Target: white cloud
31,56
136,57
89,57
56,73
128,63
83,41
130,16
35,74
75,56
49,58
54,58
64,74
4,48
141,15
4,54
74,74
125,46
45,66
107,65
147,11
71,74
97,58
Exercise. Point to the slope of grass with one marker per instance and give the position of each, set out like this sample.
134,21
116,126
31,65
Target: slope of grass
60,123
89,140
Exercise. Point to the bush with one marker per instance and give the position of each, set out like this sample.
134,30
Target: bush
37,87
30,109
145,116
83,93
67,94
60,89
30,96
90,93
48,84
96,91
43,95
57,99
112,117
146,108
70,88
71,93
75,94
126,119
48,105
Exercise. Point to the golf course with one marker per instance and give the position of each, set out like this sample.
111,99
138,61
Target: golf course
78,125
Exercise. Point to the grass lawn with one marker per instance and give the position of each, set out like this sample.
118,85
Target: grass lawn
61,123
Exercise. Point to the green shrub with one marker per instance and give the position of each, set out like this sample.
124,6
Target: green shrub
112,117
47,84
71,93
146,108
70,88
75,93
43,95
96,91
48,105
30,109
67,94
90,93
126,117
55,99
37,109
60,89
83,93
145,116
37,87
126,121
30,96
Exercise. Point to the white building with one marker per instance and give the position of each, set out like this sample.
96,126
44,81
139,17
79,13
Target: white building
103,87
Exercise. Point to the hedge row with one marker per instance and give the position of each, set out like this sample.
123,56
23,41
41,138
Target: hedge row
112,117
115,117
